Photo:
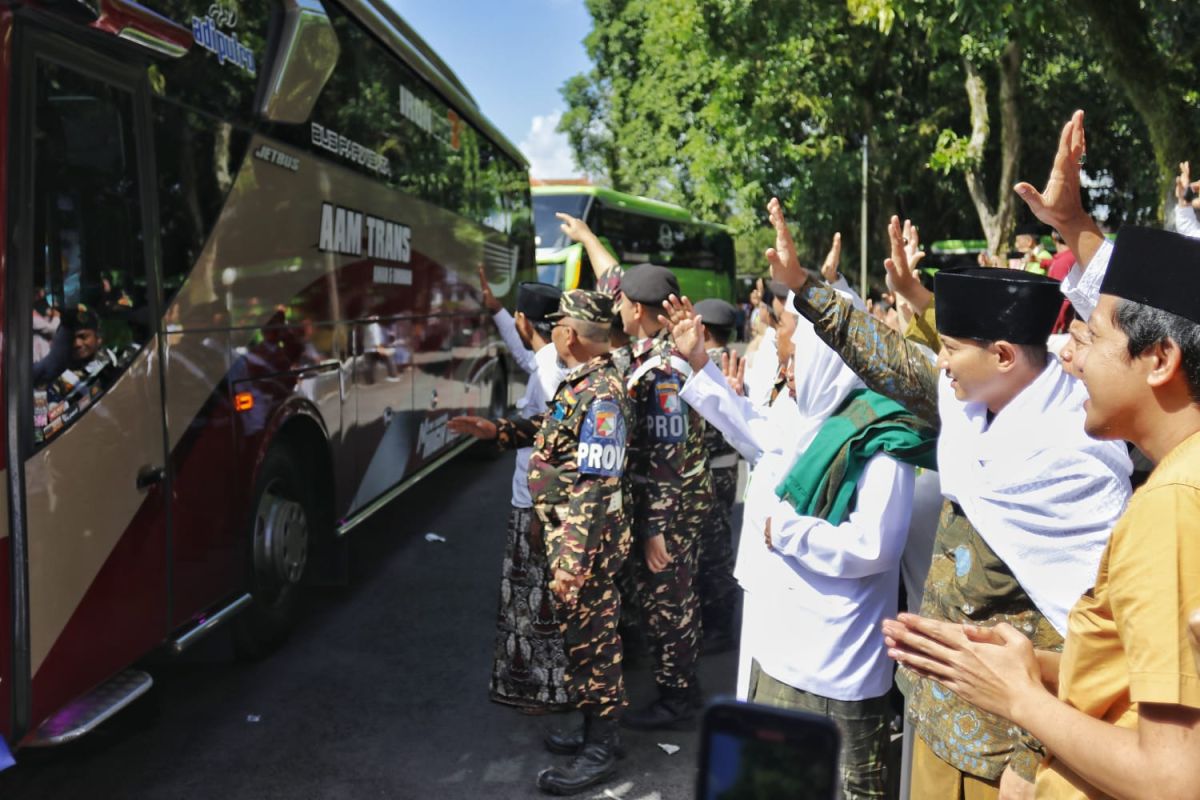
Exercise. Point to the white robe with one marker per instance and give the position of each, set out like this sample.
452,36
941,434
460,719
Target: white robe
812,606
545,374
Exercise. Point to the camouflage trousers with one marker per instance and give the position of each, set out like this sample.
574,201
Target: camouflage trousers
670,607
863,725
715,583
593,673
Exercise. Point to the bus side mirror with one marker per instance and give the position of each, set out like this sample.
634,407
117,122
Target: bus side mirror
303,55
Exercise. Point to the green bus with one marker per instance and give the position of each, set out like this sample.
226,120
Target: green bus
637,230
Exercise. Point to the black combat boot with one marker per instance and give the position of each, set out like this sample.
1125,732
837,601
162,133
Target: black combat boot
596,761
569,741
675,709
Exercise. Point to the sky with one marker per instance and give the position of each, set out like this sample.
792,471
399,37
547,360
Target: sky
512,56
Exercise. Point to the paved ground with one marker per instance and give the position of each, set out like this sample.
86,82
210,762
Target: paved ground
382,692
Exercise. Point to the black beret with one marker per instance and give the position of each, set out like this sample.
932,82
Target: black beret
1157,268
1029,229
717,313
649,284
537,300
993,304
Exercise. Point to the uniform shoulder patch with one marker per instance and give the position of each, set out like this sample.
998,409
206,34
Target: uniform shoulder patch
665,420
602,440
564,401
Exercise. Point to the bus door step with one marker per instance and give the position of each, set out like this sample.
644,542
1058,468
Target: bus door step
85,713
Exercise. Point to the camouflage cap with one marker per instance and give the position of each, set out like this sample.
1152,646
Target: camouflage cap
586,306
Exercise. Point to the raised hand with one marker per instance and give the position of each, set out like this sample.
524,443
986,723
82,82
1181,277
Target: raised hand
912,245
573,227
902,276
478,427
784,261
1059,204
687,330
829,269
734,370
489,300
1183,182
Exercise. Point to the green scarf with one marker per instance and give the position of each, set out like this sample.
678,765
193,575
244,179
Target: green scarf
824,480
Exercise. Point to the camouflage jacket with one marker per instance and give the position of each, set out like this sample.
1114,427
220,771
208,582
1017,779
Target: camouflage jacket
966,580
714,441
578,460
667,458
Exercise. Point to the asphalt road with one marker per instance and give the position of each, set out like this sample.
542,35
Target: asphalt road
380,693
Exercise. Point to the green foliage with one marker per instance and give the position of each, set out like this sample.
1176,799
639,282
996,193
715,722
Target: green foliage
720,104
951,153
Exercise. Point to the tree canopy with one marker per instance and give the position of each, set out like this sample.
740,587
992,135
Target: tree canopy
720,104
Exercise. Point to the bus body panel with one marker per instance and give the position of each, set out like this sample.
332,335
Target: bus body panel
97,581
6,610
281,317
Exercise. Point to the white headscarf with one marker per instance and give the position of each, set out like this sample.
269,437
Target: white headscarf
823,381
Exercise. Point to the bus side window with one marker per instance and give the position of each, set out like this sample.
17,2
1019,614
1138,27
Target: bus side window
90,293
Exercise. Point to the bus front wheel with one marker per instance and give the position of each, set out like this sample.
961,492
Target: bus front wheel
280,538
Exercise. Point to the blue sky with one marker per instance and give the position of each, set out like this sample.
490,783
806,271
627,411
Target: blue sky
513,55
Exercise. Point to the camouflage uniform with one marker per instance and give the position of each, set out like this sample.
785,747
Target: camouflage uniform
715,584
575,477
672,494
967,581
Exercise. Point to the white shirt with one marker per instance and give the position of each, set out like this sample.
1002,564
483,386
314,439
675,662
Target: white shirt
1186,222
833,585
545,374
821,594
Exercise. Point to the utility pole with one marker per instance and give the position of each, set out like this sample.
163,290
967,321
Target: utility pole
862,275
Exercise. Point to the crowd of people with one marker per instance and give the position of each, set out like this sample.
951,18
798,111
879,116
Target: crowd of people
1025,474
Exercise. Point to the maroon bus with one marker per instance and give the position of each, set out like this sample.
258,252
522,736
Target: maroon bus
238,251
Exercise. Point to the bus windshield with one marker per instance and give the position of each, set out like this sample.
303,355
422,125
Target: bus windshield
548,228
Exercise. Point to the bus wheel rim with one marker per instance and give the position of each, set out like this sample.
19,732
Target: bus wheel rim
280,539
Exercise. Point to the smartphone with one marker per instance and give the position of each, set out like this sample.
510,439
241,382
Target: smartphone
1189,194
756,752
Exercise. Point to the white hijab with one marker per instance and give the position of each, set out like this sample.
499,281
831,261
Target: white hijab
822,383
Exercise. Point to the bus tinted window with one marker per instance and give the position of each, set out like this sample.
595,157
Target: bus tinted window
91,304
196,157
547,226
639,239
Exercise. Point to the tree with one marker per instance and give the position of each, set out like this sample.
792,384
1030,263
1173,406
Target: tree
720,104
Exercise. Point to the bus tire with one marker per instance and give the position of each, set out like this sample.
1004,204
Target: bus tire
281,529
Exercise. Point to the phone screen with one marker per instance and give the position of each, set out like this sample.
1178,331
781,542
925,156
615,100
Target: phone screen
757,753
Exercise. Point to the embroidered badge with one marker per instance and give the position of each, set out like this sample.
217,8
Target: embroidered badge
602,441
665,421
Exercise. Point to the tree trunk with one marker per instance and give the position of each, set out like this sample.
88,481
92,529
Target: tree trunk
996,220
1121,32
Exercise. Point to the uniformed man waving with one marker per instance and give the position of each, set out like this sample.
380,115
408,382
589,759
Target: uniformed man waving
672,495
575,476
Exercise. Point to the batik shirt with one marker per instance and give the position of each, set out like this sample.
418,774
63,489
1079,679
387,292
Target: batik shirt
967,580
575,472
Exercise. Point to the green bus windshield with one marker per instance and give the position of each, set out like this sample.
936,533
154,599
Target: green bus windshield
637,231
